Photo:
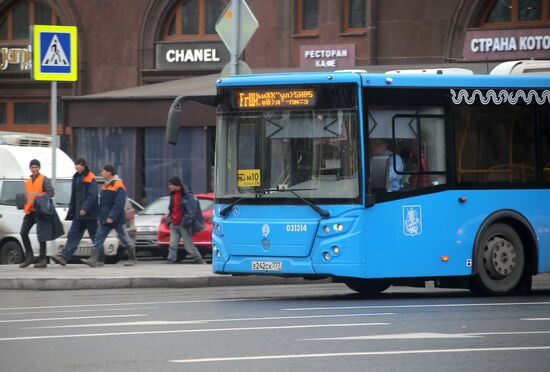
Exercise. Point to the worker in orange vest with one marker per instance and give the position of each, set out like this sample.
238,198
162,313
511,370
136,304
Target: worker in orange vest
37,185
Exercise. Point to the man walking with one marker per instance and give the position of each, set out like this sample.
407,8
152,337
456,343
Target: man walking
36,186
111,216
82,210
180,220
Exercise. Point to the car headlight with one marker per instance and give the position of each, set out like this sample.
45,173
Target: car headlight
146,229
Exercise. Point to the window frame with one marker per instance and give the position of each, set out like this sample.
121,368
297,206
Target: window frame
346,19
515,22
40,128
300,20
8,17
176,15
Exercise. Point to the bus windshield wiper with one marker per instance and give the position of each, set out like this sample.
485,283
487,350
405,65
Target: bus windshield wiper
324,213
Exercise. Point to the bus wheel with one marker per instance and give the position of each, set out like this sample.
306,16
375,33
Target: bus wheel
500,261
368,286
11,253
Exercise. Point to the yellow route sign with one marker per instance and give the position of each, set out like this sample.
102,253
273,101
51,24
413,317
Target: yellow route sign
248,177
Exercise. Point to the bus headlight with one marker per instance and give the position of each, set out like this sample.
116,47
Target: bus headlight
338,227
327,256
327,229
336,250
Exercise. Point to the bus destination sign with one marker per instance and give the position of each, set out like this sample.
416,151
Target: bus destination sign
274,98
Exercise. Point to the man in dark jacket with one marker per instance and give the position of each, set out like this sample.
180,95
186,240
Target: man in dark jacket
180,220
111,216
82,210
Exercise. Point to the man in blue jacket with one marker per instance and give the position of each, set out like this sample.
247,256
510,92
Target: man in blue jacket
82,210
111,216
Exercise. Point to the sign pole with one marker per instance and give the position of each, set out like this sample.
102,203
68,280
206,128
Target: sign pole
53,110
235,49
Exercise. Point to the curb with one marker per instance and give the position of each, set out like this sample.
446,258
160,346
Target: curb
147,282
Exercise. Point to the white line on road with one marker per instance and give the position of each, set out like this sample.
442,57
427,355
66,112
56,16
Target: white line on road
205,321
417,306
122,304
425,335
535,318
79,311
362,353
72,318
51,337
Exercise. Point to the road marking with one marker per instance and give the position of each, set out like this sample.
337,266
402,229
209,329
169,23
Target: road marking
362,353
416,306
27,338
72,318
535,318
425,335
79,311
122,304
205,321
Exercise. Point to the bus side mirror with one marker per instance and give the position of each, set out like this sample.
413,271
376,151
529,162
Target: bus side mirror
173,122
380,173
20,200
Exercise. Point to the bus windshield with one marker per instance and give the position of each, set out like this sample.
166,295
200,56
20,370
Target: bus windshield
313,152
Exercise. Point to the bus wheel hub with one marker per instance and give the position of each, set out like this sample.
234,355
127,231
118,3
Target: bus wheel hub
499,257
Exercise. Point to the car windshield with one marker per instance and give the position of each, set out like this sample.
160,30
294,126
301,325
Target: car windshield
159,206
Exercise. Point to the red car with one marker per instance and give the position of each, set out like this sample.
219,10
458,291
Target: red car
203,239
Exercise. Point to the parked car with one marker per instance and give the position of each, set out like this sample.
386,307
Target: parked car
203,239
146,226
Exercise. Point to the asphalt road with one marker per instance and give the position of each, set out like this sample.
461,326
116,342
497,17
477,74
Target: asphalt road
316,327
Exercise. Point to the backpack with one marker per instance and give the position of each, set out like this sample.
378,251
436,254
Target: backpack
193,218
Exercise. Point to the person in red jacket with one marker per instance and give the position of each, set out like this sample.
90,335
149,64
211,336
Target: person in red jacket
179,222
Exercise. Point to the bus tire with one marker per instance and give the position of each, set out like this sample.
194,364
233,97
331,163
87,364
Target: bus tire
500,261
368,286
11,253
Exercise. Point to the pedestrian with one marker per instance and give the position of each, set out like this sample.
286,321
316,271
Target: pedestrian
180,221
111,216
82,211
37,185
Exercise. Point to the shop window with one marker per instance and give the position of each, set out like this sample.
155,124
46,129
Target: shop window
307,17
194,19
354,15
3,113
15,22
31,112
516,12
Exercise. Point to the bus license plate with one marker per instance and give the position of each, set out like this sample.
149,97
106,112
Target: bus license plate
267,265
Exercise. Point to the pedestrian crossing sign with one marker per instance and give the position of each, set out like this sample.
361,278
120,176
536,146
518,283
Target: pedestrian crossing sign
55,54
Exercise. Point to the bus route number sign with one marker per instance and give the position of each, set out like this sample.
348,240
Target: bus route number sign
248,177
273,98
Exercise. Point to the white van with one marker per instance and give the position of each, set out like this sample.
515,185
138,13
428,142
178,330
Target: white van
14,171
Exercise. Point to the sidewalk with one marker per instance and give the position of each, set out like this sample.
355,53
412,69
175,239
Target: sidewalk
157,274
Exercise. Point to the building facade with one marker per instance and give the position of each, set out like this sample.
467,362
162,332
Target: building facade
116,111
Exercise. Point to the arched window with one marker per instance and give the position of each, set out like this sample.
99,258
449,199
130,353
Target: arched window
14,24
513,13
194,20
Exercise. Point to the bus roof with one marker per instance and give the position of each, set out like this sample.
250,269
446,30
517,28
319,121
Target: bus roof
390,80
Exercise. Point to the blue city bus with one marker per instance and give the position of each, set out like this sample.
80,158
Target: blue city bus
381,179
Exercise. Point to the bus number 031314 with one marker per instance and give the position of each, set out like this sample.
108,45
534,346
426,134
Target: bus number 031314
296,228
